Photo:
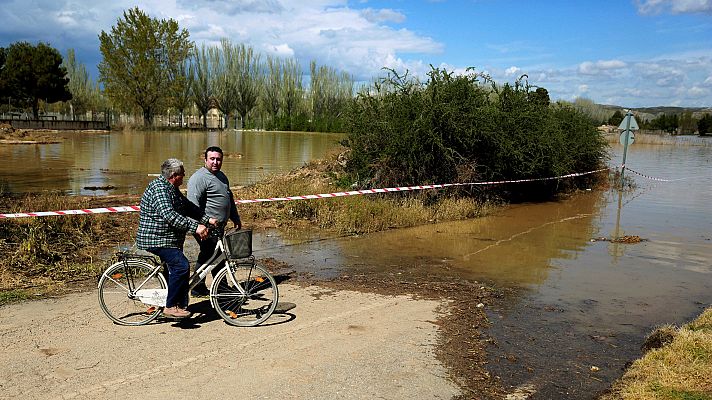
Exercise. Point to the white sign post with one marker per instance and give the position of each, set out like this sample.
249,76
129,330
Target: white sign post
628,125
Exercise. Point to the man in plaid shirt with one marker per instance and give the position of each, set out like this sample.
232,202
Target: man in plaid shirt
165,217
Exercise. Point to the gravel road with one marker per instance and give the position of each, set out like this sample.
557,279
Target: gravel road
324,344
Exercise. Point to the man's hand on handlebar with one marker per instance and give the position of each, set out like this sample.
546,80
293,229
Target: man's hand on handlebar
202,231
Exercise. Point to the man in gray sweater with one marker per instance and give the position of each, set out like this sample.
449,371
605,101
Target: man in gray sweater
209,189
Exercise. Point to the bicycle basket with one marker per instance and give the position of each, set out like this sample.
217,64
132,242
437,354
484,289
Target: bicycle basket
239,243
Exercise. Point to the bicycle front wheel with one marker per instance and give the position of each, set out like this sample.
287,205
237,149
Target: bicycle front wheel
244,294
123,288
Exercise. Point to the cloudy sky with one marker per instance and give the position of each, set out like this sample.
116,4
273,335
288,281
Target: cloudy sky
633,53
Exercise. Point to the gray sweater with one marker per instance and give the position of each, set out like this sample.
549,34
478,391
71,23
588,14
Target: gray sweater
211,192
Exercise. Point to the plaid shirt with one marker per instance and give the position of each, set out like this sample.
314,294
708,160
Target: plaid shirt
165,216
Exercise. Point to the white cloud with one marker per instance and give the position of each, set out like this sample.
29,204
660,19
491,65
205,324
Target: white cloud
331,32
360,39
383,15
281,50
512,71
600,67
674,6
697,91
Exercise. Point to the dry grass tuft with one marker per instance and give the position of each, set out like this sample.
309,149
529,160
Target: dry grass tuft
49,251
679,370
349,214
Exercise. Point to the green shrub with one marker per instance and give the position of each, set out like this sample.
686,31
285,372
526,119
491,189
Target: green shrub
457,128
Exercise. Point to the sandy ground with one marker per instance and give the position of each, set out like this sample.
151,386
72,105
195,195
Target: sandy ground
321,344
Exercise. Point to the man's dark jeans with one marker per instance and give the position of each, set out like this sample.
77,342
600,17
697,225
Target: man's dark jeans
178,275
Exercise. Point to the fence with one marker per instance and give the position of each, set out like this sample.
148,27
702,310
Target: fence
55,124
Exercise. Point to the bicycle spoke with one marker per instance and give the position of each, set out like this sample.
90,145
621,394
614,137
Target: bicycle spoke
244,294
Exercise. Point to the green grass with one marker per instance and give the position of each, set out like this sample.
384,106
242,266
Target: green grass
13,296
668,393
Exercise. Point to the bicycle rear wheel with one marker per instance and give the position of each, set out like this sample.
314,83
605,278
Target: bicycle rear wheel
244,294
118,289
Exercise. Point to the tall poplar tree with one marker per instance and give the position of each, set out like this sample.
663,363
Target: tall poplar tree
249,79
141,56
80,85
202,82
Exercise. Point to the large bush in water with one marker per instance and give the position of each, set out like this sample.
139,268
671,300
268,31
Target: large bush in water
455,128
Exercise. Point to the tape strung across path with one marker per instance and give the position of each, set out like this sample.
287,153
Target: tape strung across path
104,210
656,179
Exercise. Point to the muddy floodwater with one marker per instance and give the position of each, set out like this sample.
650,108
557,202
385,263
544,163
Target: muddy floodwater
580,305
583,304
121,162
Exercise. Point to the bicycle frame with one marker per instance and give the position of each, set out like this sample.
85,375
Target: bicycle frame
201,272
215,260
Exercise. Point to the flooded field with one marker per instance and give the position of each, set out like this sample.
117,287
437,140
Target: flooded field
583,304
120,162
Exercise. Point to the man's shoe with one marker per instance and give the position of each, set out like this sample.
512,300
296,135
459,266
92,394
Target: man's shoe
176,312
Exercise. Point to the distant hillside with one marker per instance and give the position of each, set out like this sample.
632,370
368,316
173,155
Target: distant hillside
696,111
648,113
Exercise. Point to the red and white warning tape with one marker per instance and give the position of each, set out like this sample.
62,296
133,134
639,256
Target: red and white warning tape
652,178
104,210
409,188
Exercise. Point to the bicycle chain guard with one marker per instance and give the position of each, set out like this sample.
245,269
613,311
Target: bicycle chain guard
153,297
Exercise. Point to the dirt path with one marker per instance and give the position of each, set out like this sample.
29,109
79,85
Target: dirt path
331,345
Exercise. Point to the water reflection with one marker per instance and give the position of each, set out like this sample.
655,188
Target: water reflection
124,160
512,247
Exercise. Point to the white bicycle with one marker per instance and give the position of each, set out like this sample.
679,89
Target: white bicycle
133,290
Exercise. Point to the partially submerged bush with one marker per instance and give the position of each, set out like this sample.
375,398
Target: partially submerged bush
455,128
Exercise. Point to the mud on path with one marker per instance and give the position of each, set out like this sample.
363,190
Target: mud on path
328,344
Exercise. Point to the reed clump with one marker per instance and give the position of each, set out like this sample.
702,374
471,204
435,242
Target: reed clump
680,369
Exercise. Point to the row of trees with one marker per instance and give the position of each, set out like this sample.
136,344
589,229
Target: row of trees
151,65
684,123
